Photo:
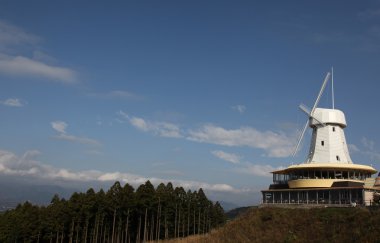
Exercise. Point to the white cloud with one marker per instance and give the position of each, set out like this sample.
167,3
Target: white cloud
12,35
230,157
117,94
239,108
14,102
258,170
13,40
163,129
26,67
11,164
275,144
353,148
367,143
368,149
60,127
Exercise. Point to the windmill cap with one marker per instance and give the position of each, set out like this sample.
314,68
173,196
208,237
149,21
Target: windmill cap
328,116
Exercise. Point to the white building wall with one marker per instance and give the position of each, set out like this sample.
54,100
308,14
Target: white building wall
328,143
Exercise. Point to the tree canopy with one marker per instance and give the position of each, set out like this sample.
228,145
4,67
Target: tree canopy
122,214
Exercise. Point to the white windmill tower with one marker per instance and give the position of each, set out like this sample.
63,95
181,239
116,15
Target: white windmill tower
328,142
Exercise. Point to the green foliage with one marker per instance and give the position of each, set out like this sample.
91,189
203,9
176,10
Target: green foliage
119,215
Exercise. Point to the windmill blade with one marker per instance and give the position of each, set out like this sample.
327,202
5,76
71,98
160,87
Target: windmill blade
300,138
320,93
306,110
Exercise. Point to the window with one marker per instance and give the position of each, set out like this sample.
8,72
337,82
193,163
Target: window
337,158
333,129
323,143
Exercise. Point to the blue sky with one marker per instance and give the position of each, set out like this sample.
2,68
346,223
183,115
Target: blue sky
201,93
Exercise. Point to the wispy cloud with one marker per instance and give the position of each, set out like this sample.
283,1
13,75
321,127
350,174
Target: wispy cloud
60,127
369,14
117,94
12,40
367,143
258,170
13,102
353,148
13,35
26,67
28,165
367,148
276,144
239,108
163,129
230,157
169,172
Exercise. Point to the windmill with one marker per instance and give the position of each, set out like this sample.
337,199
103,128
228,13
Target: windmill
310,113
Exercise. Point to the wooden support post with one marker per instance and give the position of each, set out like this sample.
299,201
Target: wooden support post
317,196
298,197
339,197
329,197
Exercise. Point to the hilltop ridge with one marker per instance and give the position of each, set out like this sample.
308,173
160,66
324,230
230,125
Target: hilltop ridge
299,225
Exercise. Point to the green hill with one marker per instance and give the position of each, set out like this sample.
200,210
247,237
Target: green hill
299,225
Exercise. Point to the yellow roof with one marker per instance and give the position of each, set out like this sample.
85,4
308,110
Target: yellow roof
327,166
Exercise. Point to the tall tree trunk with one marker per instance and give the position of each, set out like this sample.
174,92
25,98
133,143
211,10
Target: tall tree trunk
86,232
175,222
179,222
126,227
166,228
72,232
194,232
102,227
77,235
199,221
152,231
204,222
146,215
158,220
188,219
139,230
113,226
104,233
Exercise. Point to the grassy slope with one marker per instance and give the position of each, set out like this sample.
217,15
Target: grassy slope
299,225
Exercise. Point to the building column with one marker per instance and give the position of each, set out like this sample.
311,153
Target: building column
281,196
329,196
317,197
339,197
350,196
289,198
307,197
298,197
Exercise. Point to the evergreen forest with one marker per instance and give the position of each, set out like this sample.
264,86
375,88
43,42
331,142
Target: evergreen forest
122,214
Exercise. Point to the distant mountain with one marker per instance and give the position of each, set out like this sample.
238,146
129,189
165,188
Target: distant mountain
227,206
232,214
18,190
